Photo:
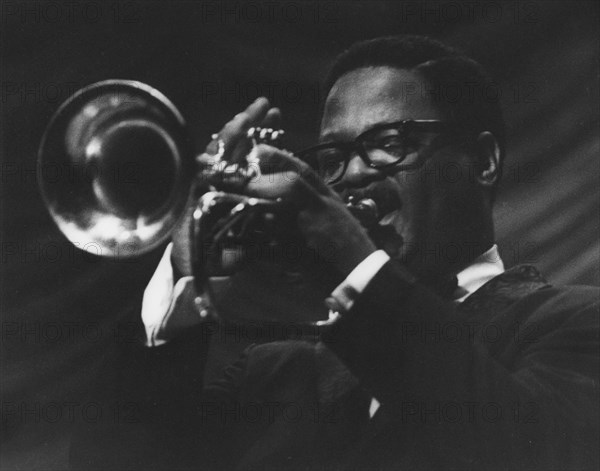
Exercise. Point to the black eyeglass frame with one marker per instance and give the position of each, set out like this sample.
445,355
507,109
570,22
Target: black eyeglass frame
357,145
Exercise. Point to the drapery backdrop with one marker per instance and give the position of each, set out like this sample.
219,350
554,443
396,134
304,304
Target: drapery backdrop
64,312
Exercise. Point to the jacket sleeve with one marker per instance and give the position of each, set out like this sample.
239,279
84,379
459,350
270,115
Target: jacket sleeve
156,411
478,394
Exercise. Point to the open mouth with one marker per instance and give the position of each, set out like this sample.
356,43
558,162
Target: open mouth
386,234
389,218
387,200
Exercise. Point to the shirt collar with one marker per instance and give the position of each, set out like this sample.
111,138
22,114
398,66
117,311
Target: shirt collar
485,267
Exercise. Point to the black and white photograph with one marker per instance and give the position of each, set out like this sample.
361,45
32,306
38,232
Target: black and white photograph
314,235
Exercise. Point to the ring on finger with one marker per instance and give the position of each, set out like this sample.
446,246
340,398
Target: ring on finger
220,150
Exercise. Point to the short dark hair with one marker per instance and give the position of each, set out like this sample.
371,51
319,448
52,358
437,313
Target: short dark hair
459,85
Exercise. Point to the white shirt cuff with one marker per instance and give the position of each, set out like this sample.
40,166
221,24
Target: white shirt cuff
344,296
158,297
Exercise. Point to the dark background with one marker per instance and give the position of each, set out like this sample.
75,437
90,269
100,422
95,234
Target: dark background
64,312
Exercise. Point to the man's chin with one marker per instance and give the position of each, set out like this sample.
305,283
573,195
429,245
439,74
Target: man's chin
387,238
399,247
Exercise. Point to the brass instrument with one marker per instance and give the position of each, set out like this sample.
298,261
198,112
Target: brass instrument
128,168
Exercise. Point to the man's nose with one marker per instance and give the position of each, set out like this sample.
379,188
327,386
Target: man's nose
359,173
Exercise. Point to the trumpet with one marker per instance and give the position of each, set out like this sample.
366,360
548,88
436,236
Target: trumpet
128,169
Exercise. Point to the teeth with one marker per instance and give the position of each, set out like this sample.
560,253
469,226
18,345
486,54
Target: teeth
389,218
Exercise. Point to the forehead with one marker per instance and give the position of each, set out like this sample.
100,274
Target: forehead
368,96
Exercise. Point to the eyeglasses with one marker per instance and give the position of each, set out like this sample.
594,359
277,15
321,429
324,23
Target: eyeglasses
385,146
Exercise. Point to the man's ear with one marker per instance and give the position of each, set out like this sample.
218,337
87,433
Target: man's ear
488,159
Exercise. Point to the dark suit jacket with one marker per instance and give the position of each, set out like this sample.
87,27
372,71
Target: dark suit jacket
506,380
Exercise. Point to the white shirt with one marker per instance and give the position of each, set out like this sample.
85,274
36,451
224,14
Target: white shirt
168,308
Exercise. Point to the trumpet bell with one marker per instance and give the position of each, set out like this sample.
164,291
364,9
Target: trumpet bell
115,167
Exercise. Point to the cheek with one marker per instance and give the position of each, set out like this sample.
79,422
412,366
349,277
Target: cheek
454,196
415,195
437,196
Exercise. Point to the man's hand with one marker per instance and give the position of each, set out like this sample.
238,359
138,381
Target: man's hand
323,219
237,147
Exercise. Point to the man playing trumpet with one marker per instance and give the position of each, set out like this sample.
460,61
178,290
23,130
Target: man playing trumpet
435,357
